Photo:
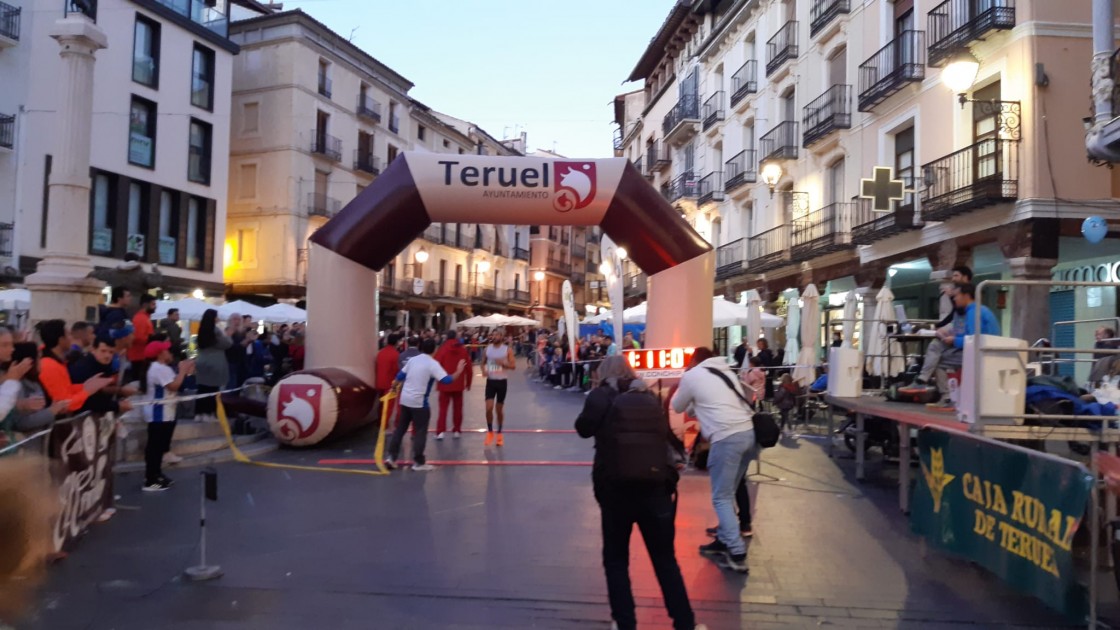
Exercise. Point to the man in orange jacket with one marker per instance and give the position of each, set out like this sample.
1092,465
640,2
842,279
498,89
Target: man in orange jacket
53,375
450,354
143,330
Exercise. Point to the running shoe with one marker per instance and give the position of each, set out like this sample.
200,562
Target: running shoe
166,480
157,486
422,467
390,463
745,532
501,440
917,387
457,435
439,436
489,438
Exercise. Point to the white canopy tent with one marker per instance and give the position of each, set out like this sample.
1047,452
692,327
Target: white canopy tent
281,313
724,314
238,308
190,309
878,340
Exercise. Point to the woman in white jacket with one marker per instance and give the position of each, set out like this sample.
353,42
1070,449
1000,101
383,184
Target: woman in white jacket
709,392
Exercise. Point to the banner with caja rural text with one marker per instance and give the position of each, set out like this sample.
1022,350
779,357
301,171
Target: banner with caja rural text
1011,510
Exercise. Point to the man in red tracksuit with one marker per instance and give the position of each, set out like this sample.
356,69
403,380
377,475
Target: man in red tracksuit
452,352
386,367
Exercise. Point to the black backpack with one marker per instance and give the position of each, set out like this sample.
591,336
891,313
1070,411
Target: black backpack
635,440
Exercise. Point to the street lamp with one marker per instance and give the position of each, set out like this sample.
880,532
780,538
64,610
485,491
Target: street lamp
621,251
484,266
539,277
960,73
771,173
421,256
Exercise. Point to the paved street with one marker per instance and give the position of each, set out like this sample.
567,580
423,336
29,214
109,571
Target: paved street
507,547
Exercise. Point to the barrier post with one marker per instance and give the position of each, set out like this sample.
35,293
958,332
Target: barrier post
208,490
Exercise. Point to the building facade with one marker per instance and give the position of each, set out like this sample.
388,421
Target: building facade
159,146
761,119
315,119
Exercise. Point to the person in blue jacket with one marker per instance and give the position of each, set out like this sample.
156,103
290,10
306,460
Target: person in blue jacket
965,298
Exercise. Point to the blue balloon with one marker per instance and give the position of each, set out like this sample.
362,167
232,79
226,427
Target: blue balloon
1094,229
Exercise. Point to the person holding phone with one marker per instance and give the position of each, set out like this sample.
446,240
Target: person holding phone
32,412
53,373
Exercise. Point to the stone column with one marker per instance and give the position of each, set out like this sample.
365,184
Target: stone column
1030,306
61,287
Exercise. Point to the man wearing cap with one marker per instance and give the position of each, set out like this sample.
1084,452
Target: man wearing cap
162,383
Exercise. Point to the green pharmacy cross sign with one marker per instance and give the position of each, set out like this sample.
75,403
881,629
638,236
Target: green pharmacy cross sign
882,189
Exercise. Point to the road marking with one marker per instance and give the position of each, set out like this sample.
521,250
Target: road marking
481,462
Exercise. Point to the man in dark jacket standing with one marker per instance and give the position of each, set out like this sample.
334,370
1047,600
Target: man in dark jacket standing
448,356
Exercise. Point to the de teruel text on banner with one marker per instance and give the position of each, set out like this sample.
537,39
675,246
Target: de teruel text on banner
1012,510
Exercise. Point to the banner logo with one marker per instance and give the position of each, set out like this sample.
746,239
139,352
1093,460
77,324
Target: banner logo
936,478
297,410
574,185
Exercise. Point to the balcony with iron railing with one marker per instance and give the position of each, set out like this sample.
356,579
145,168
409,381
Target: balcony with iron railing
205,13
744,82
869,226
639,163
822,12
394,123
827,113
520,253
7,237
7,131
369,108
634,285
900,62
367,162
579,278
657,156
9,24
558,265
434,234
325,85
320,205
731,259
822,231
682,121
684,186
87,8
326,145
982,174
740,169
579,252
769,250
519,296
554,300
781,142
954,24
710,188
446,289
485,292
782,47
618,139
713,111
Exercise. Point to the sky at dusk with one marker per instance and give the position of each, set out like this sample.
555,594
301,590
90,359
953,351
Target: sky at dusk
550,69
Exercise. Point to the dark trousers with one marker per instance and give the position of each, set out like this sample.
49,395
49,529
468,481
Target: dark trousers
418,417
743,502
159,442
654,512
455,400
209,405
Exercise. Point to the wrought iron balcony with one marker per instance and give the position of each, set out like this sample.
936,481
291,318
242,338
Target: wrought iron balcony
639,163
434,234
769,250
485,292
741,169
326,145
367,162
558,265
731,259
829,112
781,142
7,235
519,296
579,278
618,139
684,186
825,11
657,157
634,285
9,22
744,81
554,300
325,85
680,123
320,205
869,226
823,231
446,289
983,174
520,253
901,61
954,24
87,8
394,123
782,47
7,131
713,110
369,108
579,252
711,187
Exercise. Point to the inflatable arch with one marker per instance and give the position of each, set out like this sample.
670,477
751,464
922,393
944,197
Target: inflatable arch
334,395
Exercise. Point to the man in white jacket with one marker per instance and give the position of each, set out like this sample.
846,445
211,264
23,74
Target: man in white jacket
709,392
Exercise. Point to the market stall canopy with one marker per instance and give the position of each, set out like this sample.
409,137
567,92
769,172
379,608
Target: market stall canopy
283,314
189,308
239,307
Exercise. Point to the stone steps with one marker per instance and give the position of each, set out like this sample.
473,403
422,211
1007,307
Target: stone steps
251,445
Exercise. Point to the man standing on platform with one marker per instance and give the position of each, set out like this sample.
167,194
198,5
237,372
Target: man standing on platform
497,360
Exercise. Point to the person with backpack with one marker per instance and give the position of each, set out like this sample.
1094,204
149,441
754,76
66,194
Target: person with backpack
634,477
707,391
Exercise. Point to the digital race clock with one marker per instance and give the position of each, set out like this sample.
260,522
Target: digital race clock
659,362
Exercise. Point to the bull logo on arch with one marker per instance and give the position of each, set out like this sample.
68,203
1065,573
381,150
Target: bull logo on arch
419,189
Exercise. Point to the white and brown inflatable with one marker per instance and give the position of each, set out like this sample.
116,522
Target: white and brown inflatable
334,394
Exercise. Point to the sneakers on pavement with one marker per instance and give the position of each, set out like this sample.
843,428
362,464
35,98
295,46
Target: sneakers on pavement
719,552
489,438
439,436
171,459
158,486
422,467
501,440
390,463
558,387
457,435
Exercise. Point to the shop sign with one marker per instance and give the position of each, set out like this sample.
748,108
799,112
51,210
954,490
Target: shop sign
1103,272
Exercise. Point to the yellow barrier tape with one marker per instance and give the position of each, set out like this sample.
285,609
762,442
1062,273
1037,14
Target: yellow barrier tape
242,458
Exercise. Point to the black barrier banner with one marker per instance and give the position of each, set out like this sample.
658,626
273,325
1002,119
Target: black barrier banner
1012,510
81,453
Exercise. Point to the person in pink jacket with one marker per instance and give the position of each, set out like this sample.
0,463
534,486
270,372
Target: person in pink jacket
754,379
